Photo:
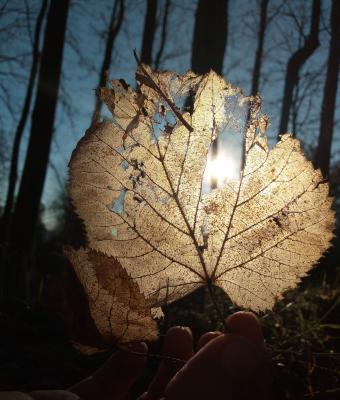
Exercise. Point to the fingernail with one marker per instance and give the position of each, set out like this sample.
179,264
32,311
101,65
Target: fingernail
186,328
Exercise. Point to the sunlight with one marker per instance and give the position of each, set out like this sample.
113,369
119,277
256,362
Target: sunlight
221,169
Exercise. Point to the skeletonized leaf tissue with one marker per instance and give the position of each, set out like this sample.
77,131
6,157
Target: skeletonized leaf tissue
137,183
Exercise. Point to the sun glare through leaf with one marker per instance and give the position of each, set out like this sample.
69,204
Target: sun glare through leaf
221,168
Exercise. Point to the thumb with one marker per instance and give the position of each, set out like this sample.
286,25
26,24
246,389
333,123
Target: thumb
229,366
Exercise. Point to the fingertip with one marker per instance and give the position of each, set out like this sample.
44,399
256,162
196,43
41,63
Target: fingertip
178,342
247,325
206,338
179,330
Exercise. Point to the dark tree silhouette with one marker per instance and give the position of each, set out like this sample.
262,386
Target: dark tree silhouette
323,154
209,43
149,32
5,220
208,50
116,20
210,36
258,60
26,211
163,34
296,62
259,51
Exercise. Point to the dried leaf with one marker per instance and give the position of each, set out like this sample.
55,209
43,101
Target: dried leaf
116,305
137,184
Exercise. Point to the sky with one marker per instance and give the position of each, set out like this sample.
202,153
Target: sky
83,53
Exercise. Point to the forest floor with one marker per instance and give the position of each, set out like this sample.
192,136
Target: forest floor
302,334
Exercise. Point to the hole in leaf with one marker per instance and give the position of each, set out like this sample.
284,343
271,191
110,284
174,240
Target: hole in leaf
118,204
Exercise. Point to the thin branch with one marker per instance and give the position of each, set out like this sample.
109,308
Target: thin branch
153,85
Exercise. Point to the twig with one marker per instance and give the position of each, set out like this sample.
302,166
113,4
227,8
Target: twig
163,95
154,355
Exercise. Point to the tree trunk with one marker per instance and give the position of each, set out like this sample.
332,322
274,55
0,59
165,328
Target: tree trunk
209,43
114,27
323,154
296,62
163,34
149,32
210,36
6,217
208,49
259,51
28,203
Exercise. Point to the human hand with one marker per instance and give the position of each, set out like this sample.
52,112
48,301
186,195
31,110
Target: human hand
232,366
226,366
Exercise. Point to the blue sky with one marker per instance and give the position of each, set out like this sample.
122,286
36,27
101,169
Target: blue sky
88,18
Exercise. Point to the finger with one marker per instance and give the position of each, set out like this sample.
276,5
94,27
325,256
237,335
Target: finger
248,328
246,325
200,378
225,366
114,379
204,339
178,344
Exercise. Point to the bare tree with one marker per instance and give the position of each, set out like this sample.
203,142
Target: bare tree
149,32
303,103
295,63
25,217
210,36
259,51
5,222
163,34
209,43
323,154
16,46
116,21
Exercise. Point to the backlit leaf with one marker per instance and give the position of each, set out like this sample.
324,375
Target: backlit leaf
137,182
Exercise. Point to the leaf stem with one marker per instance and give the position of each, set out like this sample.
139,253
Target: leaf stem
216,306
